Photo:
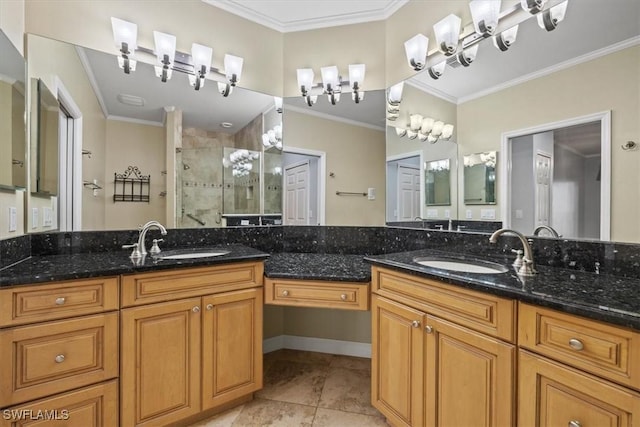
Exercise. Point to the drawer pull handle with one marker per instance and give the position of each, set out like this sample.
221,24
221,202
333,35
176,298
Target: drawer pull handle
209,306
428,329
415,324
60,300
574,423
285,293
196,309
59,358
576,345
343,297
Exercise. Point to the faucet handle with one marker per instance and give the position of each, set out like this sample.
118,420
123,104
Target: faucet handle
155,249
518,262
136,251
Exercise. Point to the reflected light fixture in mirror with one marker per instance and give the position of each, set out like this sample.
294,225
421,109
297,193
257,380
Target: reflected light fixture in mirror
332,83
196,65
485,15
447,33
416,50
394,97
356,76
550,18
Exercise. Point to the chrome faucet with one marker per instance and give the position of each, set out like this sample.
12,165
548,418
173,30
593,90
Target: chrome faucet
528,266
553,232
139,248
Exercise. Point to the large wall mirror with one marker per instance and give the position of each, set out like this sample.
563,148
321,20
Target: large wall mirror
203,152
13,171
575,90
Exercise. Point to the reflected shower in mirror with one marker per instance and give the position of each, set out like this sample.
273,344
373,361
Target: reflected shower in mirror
13,172
480,178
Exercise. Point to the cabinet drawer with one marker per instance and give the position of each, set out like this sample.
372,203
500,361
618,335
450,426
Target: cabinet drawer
30,304
479,311
94,406
314,293
551,395
138,289
48,358
604,350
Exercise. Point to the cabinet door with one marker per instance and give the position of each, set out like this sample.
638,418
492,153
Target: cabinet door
469,377
551,394
231,346
160,360
397,351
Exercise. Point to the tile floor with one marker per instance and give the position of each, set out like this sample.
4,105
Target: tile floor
303,388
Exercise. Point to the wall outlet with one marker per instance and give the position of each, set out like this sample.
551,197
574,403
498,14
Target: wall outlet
35,218
487,214
432,213
469,214
47,217
371,193
13,219
447,213
244,222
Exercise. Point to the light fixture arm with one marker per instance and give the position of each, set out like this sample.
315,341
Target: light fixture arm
124,50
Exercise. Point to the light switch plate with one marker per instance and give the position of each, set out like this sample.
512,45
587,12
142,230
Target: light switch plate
447,213
13,219
469,214
487,214
35,218
371,193
47,217
432,213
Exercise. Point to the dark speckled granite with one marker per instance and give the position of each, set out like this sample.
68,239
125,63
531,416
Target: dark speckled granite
311,266
14,250
82,265
602,297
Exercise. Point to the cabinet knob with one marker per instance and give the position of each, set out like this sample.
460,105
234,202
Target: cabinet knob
574,423
285,293
60,300
59,358
343,297
209,306
196,309
415,324
576,344
428,329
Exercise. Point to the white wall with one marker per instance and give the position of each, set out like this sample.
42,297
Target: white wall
522,188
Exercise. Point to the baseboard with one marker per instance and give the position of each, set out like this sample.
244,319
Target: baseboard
320,345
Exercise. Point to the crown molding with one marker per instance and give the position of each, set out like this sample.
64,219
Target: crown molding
136,121
420,85
92,79
308,24
326,116
633,41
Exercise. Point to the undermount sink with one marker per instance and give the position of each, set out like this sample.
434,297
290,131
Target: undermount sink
189,254
465,266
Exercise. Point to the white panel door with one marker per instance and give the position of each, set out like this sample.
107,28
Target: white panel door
408,193
542,189
296,206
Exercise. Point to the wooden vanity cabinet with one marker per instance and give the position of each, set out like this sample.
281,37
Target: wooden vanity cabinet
189,355
435,370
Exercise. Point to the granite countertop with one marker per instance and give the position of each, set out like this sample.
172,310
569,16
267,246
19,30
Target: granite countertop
608,298
51,268
314,266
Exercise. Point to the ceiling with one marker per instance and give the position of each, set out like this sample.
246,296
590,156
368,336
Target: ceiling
581,139
300,15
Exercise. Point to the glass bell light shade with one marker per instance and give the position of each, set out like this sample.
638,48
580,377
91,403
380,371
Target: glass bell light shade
277,101
549,19
447,33
330,78
233,68
485,15
305,78
467,56
437,70
447,131
432,139
272,136
401,132
201,56
415,122
437,128
411,134
395,93
125,32
165,46
505,39
427,125
356,75
265,140
278,132
416,50
422,137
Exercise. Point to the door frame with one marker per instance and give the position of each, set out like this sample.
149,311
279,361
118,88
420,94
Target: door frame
504,182
322,176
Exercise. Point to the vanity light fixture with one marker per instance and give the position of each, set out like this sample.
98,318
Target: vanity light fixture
415,122
447,33
467,56
233,72
241,162
166,53
436,71
532,6
331,83
550,18
273,137
356,76
201,64
125,35
505,39
485,15
278,103
416,50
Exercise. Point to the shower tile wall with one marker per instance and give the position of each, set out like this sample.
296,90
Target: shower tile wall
200,174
